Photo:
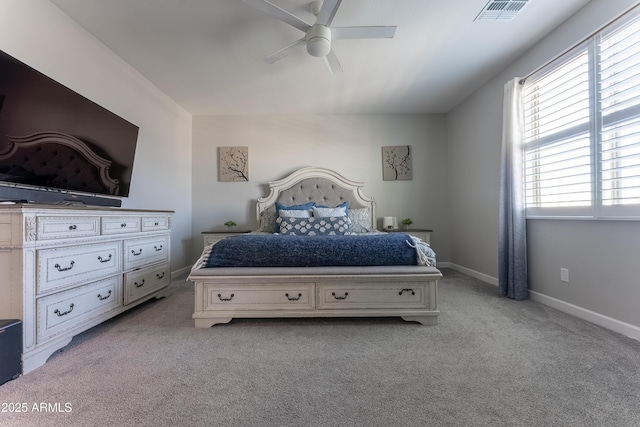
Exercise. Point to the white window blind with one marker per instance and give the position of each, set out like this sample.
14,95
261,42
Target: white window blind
619,109
582,128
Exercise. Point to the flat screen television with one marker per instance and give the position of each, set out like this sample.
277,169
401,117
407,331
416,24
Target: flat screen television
57,146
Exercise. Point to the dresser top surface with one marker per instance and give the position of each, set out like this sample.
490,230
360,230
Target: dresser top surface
36,207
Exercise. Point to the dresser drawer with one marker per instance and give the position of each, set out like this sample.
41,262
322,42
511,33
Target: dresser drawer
372,295
140,283
140,252
293,296
52,227
66,310
68,266
151,223
119,225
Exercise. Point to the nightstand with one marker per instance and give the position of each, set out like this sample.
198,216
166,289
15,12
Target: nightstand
421,233
211,237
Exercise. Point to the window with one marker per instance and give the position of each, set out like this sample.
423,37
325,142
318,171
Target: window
582,128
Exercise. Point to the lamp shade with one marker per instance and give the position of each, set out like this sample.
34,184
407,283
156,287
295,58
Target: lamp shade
389,223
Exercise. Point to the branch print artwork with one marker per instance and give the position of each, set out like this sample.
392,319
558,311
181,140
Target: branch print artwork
233,164
396,163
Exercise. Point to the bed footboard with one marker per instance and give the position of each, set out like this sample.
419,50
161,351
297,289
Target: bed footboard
411,296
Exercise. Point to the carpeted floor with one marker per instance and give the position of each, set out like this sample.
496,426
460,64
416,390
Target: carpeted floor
490,361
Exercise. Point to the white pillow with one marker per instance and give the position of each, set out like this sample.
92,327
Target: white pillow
295,213
330,212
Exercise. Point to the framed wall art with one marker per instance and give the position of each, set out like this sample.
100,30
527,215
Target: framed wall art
233,164
396,163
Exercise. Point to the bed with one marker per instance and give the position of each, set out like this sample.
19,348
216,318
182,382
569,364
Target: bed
311,286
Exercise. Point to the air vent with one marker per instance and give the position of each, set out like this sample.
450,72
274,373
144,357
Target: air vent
501,9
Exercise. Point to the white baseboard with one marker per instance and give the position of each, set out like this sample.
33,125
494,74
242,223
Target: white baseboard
618,326
476,274
180,272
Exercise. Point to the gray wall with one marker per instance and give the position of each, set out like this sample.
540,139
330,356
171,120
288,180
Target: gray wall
474,131
350,145
600,255
62,50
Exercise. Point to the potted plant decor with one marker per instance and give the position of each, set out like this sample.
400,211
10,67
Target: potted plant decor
229,225
406,223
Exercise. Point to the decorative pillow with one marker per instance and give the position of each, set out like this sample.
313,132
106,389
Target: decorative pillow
360,220
329,212
314,226
294,213
268,220
281,206
344,204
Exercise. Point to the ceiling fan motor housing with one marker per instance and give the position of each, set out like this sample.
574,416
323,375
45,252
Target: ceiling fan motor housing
318,40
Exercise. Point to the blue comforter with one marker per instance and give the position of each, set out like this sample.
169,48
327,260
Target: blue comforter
273,250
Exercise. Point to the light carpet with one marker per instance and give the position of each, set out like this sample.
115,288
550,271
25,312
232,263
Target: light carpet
490,361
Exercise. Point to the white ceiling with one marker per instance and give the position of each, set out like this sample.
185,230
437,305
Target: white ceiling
207,54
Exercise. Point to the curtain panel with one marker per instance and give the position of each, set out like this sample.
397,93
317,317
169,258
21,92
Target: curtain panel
512,240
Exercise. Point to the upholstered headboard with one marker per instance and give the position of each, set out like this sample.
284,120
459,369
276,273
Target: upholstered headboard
313,184
59,160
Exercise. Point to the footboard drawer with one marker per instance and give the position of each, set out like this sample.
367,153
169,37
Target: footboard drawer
373,295
293,296
67,310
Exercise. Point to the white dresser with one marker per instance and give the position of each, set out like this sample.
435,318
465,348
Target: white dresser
66,269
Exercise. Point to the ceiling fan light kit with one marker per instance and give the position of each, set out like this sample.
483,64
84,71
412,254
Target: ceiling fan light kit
318,40
318,36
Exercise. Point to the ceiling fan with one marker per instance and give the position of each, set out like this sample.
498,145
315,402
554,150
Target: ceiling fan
318,36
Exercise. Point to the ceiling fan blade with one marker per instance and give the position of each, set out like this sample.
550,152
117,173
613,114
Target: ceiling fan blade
327,12
332,62
278,13
363,32
276,56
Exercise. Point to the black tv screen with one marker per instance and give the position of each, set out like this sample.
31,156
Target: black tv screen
56,145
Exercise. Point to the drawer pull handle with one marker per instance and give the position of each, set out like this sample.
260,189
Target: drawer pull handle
101,298
133,251
57,266
342,297
160,276
158,249
293,298
105,260
156,224
406,290
139,285
73,227
56,311
225,299
123,225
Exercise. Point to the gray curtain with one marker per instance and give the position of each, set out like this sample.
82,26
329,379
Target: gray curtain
512,241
